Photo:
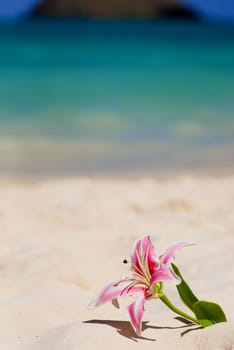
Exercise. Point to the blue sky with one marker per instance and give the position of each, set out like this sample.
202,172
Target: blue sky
16,8
216,9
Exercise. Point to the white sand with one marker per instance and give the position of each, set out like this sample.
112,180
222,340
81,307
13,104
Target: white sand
62,241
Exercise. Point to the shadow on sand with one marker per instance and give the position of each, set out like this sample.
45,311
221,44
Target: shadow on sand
125,329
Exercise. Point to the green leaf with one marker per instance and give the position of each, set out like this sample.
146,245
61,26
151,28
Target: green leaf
185,292
208,313
205,323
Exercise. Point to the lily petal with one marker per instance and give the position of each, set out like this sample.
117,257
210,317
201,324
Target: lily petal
163,274
143,257
116,289
135,311
169,255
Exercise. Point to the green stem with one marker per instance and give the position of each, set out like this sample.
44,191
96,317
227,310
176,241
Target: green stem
167,302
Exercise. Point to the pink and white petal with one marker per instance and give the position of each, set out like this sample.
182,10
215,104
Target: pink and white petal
112,291
150,257
162,275
116,289
169,255
135,312
136,255
143,257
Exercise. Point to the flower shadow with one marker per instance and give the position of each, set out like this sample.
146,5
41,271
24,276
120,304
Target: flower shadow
125,329
188,323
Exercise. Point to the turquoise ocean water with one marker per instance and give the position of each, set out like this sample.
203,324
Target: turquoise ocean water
97,97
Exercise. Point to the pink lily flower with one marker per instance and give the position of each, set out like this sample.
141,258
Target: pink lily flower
148,274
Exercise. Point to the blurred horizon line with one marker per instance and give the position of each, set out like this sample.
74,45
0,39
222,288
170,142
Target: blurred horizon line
193,10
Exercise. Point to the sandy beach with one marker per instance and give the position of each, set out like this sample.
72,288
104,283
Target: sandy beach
63,240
